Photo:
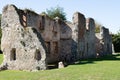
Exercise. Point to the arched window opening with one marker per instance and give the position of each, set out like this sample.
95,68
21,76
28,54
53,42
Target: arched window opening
37,55
48,45
42,23
13,54
24,20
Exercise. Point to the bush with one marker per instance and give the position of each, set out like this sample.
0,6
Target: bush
116,41
56,12
97,27
0,31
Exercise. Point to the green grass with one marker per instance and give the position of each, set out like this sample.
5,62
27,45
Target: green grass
107,68
1,58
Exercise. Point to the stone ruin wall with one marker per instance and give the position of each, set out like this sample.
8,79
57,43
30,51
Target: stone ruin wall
90,39
23,48
78,34
55,33
104,42
83,36
39,40
50,32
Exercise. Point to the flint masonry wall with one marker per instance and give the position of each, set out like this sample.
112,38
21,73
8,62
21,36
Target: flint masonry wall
31,41
90,39
103,42
56,34
65,42
107,41
50,32
83,36
22,46
98,44
78,35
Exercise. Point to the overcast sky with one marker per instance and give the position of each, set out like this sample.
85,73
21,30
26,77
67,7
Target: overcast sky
106,12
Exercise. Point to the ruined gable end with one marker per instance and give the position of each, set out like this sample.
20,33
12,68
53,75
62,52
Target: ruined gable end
23,47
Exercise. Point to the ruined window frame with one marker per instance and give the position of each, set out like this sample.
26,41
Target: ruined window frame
48,45
13,54
37,55
42,23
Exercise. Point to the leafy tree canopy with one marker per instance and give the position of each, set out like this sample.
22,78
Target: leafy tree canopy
97,27
0,31
56,12
0,19
116,41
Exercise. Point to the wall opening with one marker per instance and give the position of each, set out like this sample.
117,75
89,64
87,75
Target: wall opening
42,23
48,47
87,26
13,54
55,47
41,26
37,55
24,19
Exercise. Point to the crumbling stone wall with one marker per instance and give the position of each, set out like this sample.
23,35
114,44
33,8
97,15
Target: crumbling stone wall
103,42
50,31
90,39
31,41
107,41
78,35
98,44
65,42
23,48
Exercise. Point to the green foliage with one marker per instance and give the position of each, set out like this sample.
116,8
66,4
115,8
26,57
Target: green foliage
107,68
0,34
0,20
116,41
43,13
97,27
56,12
0,30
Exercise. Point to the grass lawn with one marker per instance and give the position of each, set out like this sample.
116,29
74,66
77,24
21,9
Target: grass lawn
107,68
1,58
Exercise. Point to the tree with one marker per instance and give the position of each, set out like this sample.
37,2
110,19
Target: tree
56,12
97,27
0,33
116,41
0,20
0,29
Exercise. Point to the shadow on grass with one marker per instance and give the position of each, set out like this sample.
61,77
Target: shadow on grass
52,66
114,57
